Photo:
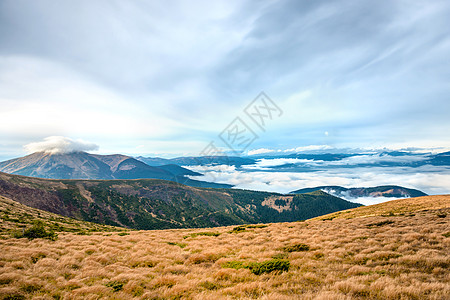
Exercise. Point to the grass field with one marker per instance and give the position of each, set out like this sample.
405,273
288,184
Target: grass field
375,253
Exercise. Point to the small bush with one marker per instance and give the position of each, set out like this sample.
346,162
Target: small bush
442,215
115,285
237,229
296,248
123,233
447,234
269,266
261,267
256,226
38,231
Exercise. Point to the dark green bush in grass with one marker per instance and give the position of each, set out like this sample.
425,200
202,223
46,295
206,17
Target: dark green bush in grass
38,231
269,266
296,248
256,268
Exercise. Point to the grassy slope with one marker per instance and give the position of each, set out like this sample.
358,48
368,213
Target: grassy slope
393,208
16,217
405,256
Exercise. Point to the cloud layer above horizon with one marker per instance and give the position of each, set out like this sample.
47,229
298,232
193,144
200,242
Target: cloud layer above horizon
165,78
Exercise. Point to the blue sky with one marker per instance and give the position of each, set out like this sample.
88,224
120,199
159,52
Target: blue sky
166,77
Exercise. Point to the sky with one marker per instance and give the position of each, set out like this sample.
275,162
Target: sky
166,78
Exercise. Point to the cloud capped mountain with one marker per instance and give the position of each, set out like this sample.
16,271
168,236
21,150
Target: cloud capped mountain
82,165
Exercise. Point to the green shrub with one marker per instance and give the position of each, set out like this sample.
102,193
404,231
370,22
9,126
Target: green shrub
123,233
269,266
38,231
296,248
256,268
441,215
233,265
237,229
115,285
256,226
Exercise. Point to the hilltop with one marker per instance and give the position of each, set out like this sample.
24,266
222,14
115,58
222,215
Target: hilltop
405,256
399,207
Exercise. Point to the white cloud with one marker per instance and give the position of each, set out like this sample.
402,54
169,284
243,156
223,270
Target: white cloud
310,148
429,179
60,144
264,163
260,151
374,159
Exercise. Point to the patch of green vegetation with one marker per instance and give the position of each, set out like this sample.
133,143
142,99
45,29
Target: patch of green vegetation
378,224
234,264
237,229
115,285
196,234
441,215
256,226
242,228
447,234
123,233
36,231
296,248
181,245
258,268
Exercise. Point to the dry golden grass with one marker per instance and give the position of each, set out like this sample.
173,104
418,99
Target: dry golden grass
395,257
392,208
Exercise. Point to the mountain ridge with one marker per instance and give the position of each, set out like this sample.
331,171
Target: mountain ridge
158,204
355,192
83,165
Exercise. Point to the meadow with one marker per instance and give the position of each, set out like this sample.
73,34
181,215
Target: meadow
372,254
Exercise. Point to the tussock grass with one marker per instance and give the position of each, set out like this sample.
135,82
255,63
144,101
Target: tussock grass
338,259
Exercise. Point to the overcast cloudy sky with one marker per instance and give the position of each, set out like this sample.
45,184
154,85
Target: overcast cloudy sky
166,77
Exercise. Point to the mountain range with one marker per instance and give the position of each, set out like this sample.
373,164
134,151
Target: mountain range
156,204
198,160
378,191
82,165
